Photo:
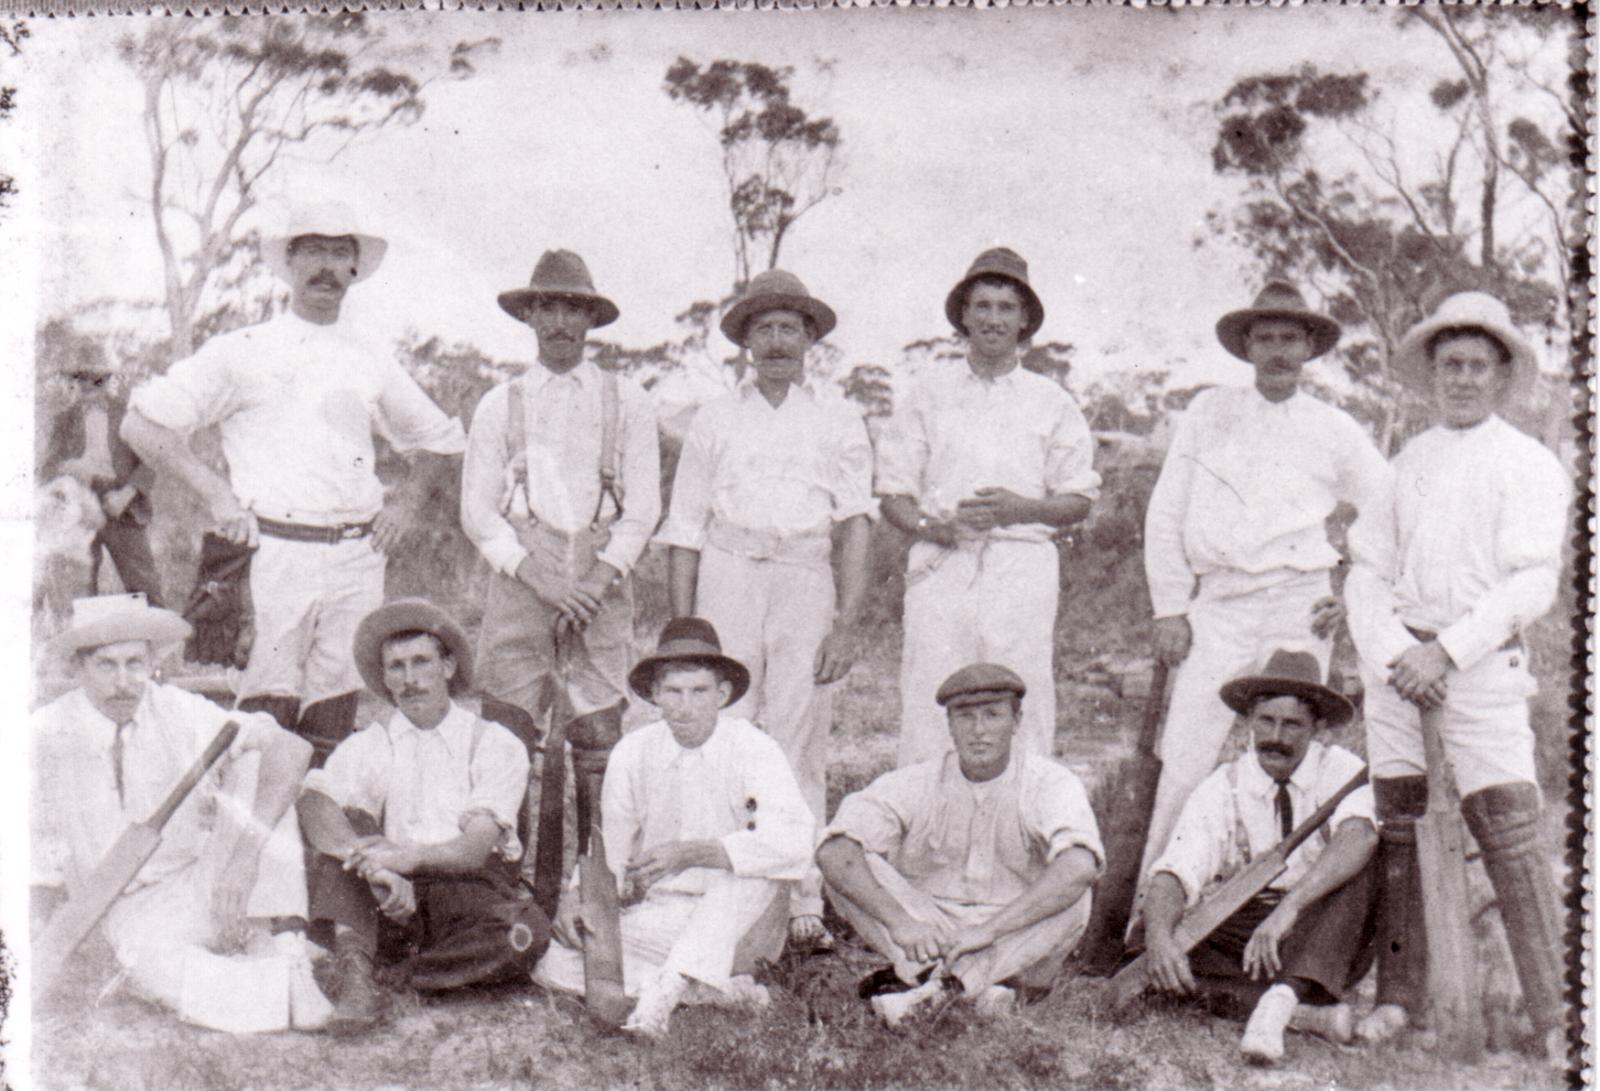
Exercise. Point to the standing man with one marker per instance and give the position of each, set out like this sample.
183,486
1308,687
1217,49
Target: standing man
414,823
1294,948
297,399
979,861
202,928
1461,559
706,828
765,476
1236,552
86,445
981,467
560,492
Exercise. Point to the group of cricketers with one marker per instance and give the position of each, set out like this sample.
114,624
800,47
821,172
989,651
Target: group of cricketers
970,867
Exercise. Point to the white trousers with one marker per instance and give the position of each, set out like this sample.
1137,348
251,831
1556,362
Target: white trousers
991,602
1484,727
706,937
1035,953
772,616
309,597
1231,634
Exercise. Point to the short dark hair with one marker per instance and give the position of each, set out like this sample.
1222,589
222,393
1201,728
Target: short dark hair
1452,332
412,634
294,243
689,664
1256,701
1305,327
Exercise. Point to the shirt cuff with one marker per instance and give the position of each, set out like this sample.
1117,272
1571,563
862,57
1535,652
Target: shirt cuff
174,412
675,533
503,554
613,555
753,856
1466,643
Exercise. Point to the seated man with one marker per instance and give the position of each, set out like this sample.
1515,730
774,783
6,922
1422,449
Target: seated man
228,872
1297,946
415,826
976,864
704,821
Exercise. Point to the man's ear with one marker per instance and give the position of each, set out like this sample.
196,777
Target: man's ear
449,667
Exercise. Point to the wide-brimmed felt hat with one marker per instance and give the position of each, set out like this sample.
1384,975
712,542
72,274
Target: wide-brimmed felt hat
560,274
691,640
404,616
329,219
978,683
1465,311
776,290
1289,674
999,262
112,619
1277,299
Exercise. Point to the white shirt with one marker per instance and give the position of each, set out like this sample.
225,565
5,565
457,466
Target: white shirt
736,788
425,785
791,469
958,433
1231,818
562,422
77,815
978,844
1247,485
296,403
1467,544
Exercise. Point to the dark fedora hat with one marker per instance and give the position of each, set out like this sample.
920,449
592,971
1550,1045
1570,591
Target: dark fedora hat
1289,674
406,616
560,274
776,290
999,262
691,640
1277,299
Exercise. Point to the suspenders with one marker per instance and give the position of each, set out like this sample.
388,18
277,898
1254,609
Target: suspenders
517,442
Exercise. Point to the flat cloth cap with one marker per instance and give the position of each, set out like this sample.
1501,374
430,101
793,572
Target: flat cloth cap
978,682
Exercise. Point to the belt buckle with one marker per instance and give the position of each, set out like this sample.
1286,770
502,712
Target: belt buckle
349,531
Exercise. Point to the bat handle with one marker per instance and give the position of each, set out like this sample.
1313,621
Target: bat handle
205,761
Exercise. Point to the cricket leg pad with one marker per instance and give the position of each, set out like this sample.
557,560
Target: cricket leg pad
1402,936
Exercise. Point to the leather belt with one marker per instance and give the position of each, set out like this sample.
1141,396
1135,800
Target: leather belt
304,532
1512,644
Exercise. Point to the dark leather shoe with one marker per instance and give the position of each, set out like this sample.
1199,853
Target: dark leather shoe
361,1003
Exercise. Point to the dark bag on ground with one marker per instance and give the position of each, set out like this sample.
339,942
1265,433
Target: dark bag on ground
220,608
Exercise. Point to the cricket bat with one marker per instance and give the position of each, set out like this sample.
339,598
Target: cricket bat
603,992
1442,860
93,897
1128,801
1205,916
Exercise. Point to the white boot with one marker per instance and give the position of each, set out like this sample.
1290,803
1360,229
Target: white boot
894,1008
657,1000
1330,1021
1263,1035
308,1008
995,1001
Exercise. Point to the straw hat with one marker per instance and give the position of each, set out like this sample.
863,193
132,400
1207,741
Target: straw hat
1464,311
329,219
998,262
403,616
689,640
560,274
776,290
1278,299
112,619
1289,674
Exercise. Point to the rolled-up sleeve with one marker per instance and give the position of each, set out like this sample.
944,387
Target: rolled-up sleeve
499,779
1199,846
194,393
878,816
483,482
777,841
1057,813
1069,458
410,420
640,469
903,449
355,773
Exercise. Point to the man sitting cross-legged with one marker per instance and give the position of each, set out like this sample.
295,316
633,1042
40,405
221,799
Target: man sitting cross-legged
704,822
415,825
1306,938
978,862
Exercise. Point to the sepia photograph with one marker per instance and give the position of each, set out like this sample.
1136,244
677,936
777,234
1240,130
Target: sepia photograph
868,547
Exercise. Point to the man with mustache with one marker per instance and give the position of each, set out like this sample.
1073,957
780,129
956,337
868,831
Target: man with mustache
1464,554
970,872
1295,948
766,475
982,466
1236,552
704,824
211,925
414,826
560,492
296,400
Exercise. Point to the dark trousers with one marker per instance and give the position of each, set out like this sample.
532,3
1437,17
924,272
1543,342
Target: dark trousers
1330,948
129,545
468,929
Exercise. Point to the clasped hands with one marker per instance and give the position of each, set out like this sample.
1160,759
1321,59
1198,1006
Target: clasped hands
1420,674
385,865
936,941
986,509
578,602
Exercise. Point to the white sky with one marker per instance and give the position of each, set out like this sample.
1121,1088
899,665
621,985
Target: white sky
1079,136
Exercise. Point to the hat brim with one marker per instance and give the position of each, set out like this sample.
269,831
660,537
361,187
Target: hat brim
739,315
408,615
979,697
1410,365
517,301
370,252
1234,327
1331,707
957,300
158,626
642,678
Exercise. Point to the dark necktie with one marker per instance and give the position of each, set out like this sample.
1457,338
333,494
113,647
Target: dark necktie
116,761
1285,808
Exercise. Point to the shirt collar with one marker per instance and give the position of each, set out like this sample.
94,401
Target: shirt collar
952,774
1256,781
1008,379
538,376
748,390
453,729
93,719
1260,401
